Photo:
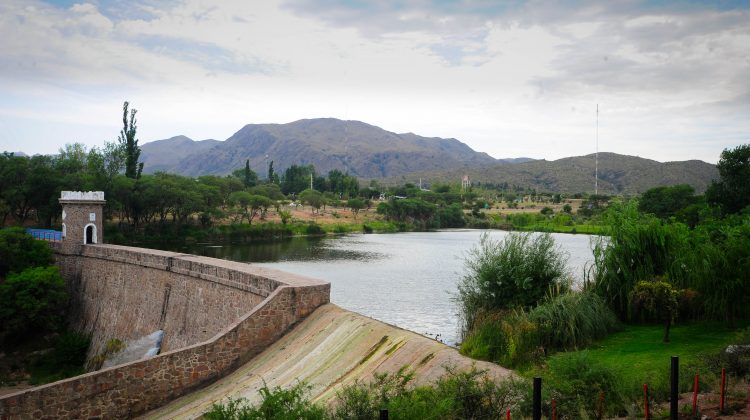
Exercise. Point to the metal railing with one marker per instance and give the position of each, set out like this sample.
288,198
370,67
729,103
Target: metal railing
45,234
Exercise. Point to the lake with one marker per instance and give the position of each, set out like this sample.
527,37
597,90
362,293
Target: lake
405,279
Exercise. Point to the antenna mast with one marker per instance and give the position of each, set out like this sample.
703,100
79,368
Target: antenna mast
596,159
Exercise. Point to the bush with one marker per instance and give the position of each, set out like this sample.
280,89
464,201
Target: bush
456,395
564,322
32,299
277,403
508,338
19,251
514,272
71,349
573,320
313,228
582,387
66,360
638,248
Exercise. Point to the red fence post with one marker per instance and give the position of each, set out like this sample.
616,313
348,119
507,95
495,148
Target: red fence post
695,395
507,415
645,402
554,410
723,390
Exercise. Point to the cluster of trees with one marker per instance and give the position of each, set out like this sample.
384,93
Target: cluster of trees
32,293
669,255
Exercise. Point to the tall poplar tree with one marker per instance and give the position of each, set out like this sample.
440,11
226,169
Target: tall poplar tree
129,143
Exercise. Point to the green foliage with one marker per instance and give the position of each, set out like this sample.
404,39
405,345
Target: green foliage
313,198
129,143
514,272
711,259
19,251
70,349
111,347
356,204
66,360
573,320
664,202
451,216
563,322
578,383
276,404
408,210
31,300
638,248
456,395
732,192
656,300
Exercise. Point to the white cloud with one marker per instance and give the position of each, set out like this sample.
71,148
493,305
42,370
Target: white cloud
511,81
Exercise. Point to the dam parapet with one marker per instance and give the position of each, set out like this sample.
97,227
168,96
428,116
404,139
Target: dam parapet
216,315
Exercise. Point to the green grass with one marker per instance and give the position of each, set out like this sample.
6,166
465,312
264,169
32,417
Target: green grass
637,354
588,229
639,348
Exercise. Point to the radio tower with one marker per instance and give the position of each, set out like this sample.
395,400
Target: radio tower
596,158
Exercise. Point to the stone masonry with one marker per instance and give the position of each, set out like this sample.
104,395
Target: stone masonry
216,316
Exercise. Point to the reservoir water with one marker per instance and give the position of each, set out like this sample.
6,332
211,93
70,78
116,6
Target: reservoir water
405,279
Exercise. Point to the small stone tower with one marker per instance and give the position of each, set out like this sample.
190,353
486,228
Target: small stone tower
82,214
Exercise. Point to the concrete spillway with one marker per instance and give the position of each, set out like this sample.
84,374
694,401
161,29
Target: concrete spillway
331,347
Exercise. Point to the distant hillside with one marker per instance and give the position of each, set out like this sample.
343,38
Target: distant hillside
351,146
618,174
163,155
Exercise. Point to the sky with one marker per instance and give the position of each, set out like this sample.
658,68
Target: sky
671,79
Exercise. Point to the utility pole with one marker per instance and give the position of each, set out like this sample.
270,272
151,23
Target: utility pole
596,159
311,179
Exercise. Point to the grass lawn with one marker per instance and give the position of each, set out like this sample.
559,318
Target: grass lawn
639,349
637,355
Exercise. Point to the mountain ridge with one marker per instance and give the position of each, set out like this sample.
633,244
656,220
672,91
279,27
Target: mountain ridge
370,152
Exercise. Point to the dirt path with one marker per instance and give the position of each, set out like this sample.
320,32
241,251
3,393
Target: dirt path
330,348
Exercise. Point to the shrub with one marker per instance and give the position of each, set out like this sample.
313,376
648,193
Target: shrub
508,338
71,348
580,385
277,403
563,322
32,299
468,395
66,360
313,228
514,272
573,320
19,251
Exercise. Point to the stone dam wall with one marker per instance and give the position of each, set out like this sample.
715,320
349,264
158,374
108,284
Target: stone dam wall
216,315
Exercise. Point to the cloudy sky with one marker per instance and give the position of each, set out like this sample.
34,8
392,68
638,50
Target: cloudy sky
510,78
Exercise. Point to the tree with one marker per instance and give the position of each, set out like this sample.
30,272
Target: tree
32,299
19,251
356,204
664,202
659,300
314,198
272,177
248,177
129,143
732,192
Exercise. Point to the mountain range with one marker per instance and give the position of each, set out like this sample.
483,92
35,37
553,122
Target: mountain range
361,149
617,174
367,151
